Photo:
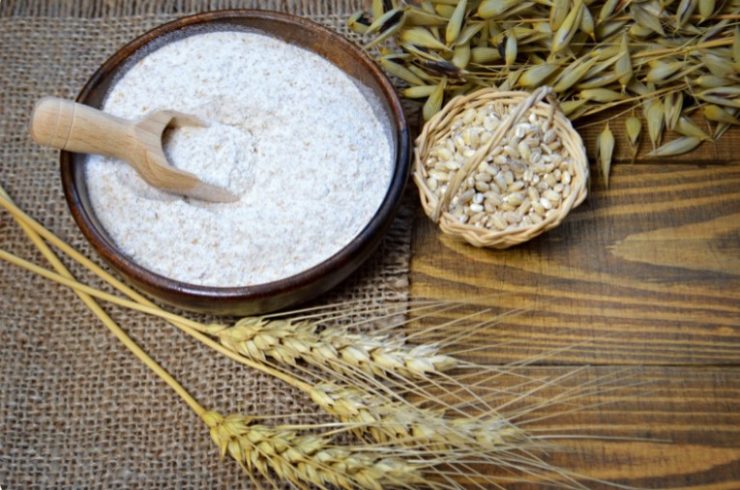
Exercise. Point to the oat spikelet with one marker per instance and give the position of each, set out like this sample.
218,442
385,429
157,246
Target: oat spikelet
288,341
681,145
604,150
306,459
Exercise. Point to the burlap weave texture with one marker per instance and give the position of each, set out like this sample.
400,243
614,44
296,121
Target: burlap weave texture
76,409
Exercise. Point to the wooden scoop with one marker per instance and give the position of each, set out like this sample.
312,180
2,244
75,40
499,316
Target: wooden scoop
70,126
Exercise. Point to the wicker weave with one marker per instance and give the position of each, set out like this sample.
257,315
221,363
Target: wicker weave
518,104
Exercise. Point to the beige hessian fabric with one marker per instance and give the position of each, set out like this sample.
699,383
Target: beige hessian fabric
76,409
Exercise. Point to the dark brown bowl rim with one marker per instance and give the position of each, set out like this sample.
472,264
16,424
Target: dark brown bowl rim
376,225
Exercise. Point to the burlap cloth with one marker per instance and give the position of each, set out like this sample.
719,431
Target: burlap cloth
77,410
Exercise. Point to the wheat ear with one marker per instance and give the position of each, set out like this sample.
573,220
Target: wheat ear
288,341
300,458
337,406
390,420
408,424
142,304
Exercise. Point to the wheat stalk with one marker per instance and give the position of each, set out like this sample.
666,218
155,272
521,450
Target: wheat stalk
292,456
364,468
371,412
389,420
444,442
454,456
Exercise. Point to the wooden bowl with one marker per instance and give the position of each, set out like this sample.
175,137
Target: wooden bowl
270,296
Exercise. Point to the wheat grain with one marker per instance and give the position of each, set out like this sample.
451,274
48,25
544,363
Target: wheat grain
493,8
358,22
434,102
420,17
535,76
567,29
633,129
575,73
655,117
534,158
558,12
686,127
673,109
455,23
684,12
400,71
623,66
715,113
420,36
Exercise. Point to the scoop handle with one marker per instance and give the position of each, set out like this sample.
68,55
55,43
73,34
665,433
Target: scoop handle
67,125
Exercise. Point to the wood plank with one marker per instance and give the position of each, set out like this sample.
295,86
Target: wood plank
648,272
679,430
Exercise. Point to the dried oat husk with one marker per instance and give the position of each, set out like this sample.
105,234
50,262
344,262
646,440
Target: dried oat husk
519,105
602,56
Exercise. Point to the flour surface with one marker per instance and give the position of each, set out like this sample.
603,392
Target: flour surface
289,132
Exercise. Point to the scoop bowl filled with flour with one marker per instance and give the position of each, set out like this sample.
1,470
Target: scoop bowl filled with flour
301,125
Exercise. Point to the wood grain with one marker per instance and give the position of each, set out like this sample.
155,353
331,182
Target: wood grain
645,277
679,428
650,269
684,426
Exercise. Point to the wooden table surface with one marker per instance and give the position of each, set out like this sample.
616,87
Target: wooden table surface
643,283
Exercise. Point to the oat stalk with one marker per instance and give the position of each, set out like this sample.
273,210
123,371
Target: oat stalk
597,55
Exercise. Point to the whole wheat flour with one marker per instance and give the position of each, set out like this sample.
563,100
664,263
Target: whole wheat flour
289,132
